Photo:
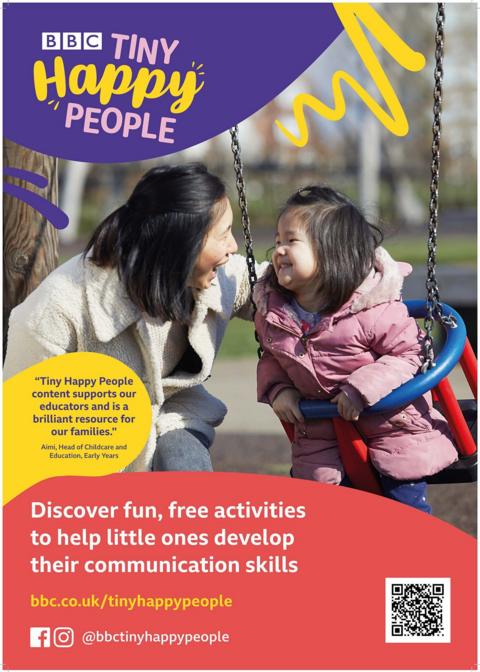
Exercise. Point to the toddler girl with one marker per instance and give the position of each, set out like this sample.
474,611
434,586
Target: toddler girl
332,326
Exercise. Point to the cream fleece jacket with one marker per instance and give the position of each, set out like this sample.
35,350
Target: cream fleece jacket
81,307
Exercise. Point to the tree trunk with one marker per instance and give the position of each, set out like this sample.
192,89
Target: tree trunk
30,243
369,166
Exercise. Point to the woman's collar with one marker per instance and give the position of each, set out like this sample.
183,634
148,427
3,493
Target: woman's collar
208,299
111,309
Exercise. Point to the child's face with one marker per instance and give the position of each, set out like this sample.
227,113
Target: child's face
294,258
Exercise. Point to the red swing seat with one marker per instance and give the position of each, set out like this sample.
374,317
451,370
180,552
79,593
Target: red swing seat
461,415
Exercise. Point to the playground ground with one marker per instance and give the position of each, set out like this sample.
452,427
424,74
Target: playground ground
252,440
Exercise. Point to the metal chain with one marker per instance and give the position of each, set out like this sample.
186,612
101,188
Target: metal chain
242,202
434,307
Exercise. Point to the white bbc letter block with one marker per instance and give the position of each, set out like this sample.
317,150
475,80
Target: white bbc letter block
92,41
72,41
51,41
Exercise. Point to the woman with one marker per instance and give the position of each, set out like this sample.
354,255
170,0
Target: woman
155,289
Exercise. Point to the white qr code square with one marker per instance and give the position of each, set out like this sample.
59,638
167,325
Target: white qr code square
417,610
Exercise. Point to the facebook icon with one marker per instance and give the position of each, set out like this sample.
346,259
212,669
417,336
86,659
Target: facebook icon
39,638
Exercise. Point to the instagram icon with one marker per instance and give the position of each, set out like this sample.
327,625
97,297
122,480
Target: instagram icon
63,637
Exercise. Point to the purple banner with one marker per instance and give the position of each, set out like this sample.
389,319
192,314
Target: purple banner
124,82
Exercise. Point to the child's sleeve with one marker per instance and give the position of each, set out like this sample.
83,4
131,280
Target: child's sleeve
397,340
271,379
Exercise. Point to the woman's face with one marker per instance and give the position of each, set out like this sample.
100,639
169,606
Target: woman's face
217,248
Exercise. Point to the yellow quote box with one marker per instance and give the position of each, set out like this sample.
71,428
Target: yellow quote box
80,414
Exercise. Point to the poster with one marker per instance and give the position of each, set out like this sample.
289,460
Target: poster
108,564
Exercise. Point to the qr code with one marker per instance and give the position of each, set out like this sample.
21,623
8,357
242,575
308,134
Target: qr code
417,610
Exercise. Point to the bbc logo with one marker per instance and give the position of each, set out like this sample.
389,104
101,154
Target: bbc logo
57,41
40,638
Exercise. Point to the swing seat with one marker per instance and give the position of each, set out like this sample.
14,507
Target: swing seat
465,470
461,416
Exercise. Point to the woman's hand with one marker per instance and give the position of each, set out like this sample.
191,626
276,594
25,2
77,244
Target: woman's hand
285,405
346,408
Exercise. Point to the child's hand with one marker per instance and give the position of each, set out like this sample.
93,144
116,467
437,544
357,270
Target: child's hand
345,407
285,405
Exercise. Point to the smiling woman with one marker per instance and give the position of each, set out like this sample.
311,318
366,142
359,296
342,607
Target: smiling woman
155,288
218,247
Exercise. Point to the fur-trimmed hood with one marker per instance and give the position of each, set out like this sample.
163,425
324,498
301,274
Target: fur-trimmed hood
383,284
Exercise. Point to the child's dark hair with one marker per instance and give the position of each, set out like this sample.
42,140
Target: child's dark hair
344,242
155,238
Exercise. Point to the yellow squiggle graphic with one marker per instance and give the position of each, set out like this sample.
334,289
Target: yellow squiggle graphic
350,14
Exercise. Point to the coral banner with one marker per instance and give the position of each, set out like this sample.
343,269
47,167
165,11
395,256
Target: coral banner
215,571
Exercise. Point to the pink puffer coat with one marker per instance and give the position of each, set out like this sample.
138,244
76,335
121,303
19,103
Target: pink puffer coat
367,349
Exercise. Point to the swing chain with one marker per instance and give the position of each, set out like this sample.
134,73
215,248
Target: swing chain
434,307
242,202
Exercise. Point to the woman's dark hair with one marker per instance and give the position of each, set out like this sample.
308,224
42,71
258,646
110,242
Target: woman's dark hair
155,238
344,242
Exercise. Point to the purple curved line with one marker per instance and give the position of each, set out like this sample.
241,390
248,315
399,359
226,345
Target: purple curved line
35,178
55,216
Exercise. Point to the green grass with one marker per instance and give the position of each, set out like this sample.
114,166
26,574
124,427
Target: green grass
239,341
456,249
451,250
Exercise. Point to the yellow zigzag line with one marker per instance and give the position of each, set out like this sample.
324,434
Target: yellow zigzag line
350,14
